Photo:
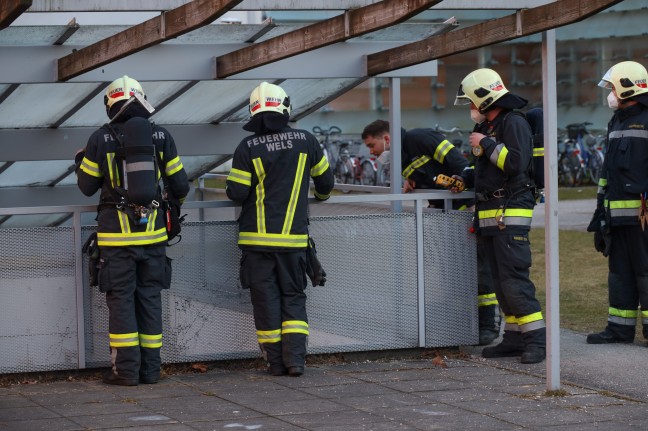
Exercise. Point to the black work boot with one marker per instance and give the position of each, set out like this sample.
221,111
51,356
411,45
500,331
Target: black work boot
272,354
294,353
511,345
533,354
487,336
111,378
608,336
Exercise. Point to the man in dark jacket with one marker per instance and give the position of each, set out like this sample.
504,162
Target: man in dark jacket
132,236
503,144
427,153
619,222
270,176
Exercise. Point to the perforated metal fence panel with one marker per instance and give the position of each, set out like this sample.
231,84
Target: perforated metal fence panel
38,321
370,301
450,279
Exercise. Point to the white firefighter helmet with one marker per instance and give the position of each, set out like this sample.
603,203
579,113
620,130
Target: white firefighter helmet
627,78
481,87
122,89
268,97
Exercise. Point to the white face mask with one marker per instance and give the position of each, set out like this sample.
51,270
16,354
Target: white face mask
612,100
383,159
476,116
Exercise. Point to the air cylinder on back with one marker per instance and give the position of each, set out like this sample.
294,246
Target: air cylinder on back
140,170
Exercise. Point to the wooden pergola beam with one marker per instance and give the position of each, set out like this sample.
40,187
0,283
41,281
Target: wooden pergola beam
12,9
352,23
168,25
522,23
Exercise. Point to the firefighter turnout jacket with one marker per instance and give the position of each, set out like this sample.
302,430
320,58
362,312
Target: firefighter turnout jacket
426,154
501,176
270,176
625,172
99,169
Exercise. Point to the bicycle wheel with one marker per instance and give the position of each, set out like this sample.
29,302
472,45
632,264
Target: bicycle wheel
368,174
578,169
566,172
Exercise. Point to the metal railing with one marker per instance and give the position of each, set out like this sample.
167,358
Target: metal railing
404,286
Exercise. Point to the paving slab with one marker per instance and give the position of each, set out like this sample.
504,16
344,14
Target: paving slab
410,393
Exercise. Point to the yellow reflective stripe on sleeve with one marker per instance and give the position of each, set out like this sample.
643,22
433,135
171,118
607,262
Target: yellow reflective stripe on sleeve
124,340
294,327
173,166
294,194
319,168
151,341
441,150
109,239
260,194
90,168
501,159
273,239
538,152
273,336
241,177
420,161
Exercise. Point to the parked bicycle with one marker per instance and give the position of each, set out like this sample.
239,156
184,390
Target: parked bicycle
325,138
587,150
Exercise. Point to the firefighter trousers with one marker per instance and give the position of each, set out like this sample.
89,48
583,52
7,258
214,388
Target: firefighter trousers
628,281
487,306
133,278
509,258
277,281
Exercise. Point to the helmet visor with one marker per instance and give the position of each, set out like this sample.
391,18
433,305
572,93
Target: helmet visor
606,81
461,98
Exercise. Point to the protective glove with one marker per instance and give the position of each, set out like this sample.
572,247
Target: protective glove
314,269
603,242
597,218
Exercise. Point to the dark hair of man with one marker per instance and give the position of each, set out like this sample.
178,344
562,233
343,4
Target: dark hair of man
376,128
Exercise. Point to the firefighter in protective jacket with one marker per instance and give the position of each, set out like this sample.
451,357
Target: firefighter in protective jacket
132,234
270,176
504,208
619,222
425,154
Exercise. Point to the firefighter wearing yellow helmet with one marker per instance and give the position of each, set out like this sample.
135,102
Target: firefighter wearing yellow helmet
621,216
124,160
270,176
501,178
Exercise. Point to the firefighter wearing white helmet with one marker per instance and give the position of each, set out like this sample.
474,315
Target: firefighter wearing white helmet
268,97
124,160
501,178
621,216
270,175
119,92
481,87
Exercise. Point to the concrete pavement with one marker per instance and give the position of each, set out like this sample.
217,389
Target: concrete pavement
603,387
572,215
